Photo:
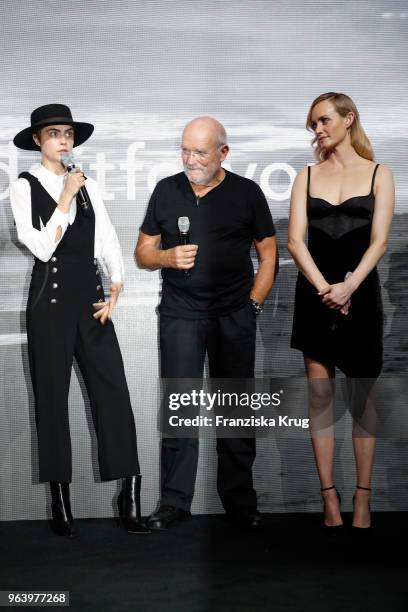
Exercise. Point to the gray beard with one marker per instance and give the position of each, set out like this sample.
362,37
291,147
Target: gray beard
204,181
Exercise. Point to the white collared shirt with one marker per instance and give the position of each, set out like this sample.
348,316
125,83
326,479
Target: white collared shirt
42,242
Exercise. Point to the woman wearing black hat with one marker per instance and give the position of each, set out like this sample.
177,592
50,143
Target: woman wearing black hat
67,315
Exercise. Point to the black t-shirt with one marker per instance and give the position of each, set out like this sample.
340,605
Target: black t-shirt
223,224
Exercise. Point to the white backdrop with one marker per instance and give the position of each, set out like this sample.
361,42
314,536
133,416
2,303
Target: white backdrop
139,71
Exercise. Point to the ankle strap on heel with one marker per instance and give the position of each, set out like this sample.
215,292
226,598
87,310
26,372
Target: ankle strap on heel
328,488
363,488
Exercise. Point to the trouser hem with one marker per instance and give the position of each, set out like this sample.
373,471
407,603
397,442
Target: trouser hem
173,501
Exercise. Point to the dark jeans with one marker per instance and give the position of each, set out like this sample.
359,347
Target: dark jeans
229,342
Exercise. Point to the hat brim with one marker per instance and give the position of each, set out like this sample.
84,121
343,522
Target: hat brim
24,139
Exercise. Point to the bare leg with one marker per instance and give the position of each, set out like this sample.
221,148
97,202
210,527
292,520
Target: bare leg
321,394
364,446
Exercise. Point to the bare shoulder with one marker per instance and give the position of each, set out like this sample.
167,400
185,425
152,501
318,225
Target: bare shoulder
303,172
384,172
384,188
320,168
384,180
299,188
301,177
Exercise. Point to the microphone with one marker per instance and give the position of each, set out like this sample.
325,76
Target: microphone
184,238
82,197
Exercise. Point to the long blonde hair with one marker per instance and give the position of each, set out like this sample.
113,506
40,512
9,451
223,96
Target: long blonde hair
343,105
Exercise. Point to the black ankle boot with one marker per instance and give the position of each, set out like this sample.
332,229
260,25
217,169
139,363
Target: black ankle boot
62,521
129,505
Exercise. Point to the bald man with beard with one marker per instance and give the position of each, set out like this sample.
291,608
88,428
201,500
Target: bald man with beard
210,300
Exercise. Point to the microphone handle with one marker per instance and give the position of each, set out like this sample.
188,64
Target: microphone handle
83,199
184,239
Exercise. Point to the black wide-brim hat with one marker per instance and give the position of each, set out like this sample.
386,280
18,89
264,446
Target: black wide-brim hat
51,114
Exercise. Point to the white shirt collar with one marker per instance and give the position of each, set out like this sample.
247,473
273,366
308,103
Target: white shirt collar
49,175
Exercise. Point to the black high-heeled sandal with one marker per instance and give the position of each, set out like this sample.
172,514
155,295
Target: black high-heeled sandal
339,498
369,508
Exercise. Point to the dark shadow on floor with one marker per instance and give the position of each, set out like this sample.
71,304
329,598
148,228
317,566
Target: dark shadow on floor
207,564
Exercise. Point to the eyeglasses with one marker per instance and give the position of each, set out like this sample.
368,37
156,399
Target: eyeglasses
200,155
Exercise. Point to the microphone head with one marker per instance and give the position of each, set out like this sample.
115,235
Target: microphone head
67,159
183,225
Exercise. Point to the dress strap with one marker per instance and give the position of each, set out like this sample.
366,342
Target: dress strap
308,180
373,179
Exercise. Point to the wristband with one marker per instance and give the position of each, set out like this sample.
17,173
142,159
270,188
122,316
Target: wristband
257,308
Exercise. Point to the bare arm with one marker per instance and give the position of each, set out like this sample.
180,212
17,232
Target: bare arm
267,251
148,254
297,234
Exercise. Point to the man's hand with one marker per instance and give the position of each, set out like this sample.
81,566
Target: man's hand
180,257
149,254
104,310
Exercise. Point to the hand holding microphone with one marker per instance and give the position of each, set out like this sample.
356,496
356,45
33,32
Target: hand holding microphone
75,184
182,257
190,250
74,181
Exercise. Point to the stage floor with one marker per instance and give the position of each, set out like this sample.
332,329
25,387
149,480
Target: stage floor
207,564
